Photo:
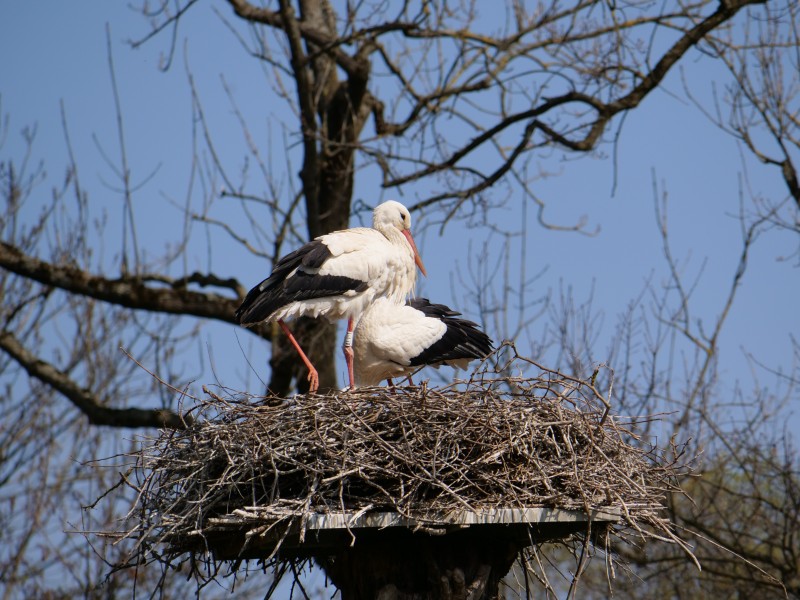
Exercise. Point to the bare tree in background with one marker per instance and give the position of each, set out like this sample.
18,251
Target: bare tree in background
426,93
741,508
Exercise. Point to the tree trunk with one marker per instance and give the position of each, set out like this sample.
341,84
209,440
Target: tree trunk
319,340
333,114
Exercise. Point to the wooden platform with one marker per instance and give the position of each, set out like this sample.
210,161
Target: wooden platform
255,532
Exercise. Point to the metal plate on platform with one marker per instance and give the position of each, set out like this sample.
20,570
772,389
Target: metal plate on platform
490,516
255,532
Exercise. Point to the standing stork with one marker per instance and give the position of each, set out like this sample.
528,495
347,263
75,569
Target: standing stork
393,340
337,276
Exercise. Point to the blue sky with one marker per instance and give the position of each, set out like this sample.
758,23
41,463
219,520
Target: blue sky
56,51
63,58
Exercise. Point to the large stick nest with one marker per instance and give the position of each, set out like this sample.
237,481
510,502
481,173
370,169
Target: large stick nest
494,441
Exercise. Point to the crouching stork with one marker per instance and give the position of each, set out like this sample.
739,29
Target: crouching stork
393,340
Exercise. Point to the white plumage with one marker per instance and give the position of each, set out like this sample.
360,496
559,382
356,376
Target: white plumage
338,275
393,340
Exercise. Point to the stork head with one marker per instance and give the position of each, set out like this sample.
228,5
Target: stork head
393,214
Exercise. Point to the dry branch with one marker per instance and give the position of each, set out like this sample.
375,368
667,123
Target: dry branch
169,296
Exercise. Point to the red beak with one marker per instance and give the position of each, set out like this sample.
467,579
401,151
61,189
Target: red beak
417,258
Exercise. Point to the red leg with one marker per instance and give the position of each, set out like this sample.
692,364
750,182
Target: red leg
313,376
391,384
347,348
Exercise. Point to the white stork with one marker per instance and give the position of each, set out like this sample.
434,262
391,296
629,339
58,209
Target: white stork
337,276
393,340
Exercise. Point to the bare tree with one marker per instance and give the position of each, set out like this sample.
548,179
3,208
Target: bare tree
741,510
427,94
596,62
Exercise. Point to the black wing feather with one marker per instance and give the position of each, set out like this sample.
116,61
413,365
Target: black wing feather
279,289
462,338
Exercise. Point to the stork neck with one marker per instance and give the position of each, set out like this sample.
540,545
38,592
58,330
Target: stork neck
394,235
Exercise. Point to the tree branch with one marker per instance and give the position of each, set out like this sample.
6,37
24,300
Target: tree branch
128,291
308,124
83,399
133,292
725,11
326,43
488,134
605,111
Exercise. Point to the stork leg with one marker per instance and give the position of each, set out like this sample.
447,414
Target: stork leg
347,348
313,376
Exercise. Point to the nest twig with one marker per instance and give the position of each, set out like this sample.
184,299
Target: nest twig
494,441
